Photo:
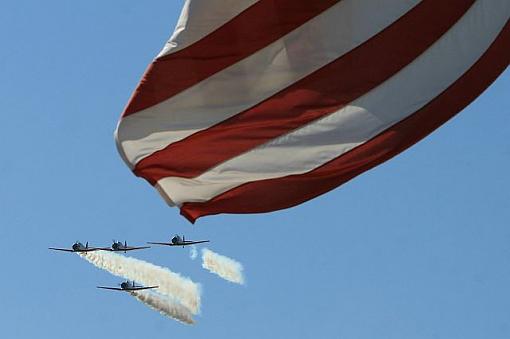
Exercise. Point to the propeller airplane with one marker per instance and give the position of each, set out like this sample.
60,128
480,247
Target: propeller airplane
127,286
77,248
178,241
118,246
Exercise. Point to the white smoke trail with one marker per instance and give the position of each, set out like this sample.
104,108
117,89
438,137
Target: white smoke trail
226,268
193,253
170,284
165,306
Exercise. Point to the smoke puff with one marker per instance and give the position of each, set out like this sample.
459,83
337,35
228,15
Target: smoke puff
165,306
193,253
223,266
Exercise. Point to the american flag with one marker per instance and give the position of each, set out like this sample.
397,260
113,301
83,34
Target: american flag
254,106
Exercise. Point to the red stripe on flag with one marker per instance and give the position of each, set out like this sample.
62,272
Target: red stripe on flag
274,194
319,94
261,24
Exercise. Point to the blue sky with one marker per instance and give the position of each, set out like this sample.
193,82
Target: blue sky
416,248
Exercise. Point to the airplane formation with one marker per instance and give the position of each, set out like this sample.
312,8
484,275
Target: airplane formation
118,246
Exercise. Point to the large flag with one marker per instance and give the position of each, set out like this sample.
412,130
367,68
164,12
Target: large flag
254,106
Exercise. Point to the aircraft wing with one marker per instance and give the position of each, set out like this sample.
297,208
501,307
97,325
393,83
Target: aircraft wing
161,243
135,248
131,289
195,242
110,288
60,249
141,288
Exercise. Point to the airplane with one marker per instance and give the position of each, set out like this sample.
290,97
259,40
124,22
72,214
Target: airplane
178,241
127,286
77,248
118,246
